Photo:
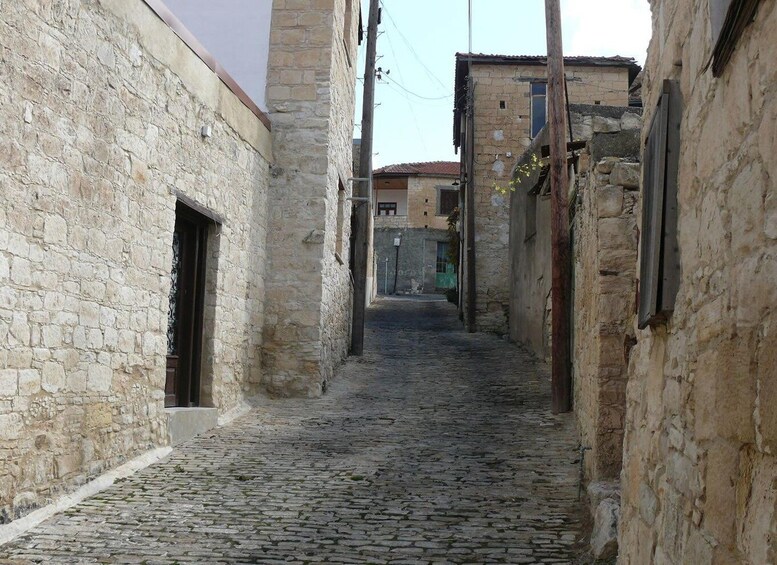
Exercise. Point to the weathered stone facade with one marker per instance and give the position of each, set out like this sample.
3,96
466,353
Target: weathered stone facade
699,470
502,132
310,95
604,232
610,133
100,118
102,109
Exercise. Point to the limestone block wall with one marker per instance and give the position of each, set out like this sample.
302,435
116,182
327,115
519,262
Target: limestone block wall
422,202
310,93
337,293
101,106
701,430
501,135
605,259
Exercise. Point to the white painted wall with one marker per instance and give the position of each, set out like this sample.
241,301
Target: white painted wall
392,195
236,33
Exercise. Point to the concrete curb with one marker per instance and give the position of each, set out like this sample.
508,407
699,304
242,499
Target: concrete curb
22,525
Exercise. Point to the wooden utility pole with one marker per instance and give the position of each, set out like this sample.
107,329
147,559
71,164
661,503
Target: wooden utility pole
363,189
561,380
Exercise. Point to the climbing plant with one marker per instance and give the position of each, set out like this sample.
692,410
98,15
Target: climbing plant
521,172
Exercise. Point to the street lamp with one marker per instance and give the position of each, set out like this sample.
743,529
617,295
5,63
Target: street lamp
397,243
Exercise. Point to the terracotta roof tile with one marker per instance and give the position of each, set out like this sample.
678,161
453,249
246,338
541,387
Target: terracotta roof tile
442,168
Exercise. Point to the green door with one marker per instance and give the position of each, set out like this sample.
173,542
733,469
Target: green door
445,277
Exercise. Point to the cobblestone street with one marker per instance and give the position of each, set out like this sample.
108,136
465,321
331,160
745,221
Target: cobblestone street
437,446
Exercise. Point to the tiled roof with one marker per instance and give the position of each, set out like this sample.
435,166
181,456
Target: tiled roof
442,168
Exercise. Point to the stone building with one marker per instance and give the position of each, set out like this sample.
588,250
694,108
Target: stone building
492,126
412,205
604,179
700,468
167,250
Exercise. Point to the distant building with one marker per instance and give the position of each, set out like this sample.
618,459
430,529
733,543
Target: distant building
492,126
412,202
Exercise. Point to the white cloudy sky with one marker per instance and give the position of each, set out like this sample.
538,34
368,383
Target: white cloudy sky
419,39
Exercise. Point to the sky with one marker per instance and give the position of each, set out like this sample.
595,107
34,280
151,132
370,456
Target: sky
418,40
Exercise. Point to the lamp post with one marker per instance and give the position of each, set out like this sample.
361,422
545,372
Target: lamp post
397,242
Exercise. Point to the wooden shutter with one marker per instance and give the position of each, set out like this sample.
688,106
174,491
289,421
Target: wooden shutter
659,272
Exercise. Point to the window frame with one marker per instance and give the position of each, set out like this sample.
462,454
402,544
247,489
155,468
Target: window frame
442,259
532,96
440,190
387,206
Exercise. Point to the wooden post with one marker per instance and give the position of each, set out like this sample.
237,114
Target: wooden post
561,381
363,206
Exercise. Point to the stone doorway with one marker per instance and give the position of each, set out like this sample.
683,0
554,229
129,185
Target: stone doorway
185,315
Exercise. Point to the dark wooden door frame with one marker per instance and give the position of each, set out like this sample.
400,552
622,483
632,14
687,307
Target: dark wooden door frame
182,387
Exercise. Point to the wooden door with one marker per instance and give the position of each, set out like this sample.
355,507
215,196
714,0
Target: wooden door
184,323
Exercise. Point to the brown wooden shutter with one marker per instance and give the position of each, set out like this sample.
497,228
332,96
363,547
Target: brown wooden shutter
659,255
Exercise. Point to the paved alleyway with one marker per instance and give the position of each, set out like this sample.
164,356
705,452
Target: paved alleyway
437,447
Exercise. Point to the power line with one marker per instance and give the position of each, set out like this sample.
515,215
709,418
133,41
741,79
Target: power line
412,50
409,105
404,95
417,95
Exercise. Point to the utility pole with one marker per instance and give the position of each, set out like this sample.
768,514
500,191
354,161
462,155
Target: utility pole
363,189
561,378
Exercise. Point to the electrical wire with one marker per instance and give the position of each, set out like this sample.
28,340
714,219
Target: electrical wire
409,104
412,50
404,95
391,80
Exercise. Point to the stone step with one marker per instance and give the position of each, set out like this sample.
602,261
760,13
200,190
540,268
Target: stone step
185,423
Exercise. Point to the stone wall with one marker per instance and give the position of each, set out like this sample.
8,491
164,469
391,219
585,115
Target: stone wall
310,94
422,202
530,257
610,133
701,429
502,133
417,261
603,201
604,233
101,106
